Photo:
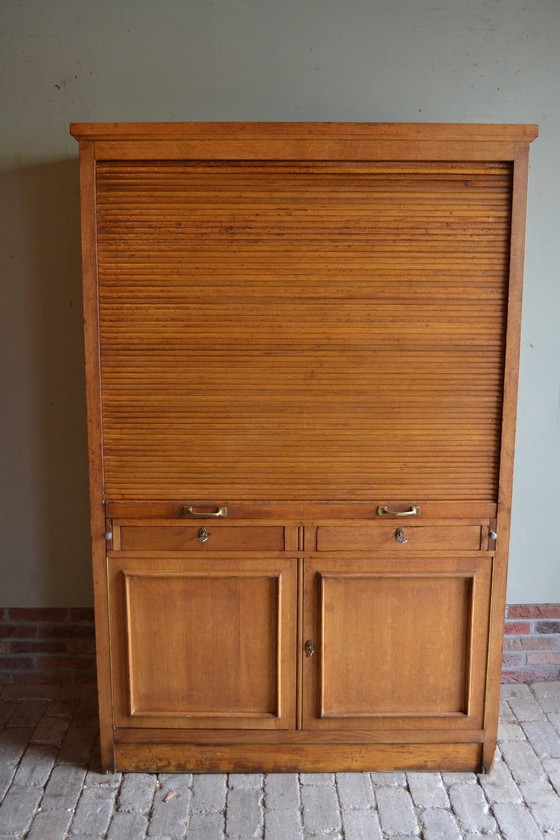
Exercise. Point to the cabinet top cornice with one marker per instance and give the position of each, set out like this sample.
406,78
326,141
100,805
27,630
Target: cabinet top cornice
482,132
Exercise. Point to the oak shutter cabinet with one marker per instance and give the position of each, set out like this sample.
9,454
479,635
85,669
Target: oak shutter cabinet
302,344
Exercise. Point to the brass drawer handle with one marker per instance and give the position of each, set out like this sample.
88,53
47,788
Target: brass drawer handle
188,511
383,510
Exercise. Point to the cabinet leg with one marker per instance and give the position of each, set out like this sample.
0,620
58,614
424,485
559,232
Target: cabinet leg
488,755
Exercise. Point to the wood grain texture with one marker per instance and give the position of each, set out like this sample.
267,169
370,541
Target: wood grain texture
304,141
204,643
170,537
129,735
399,644
95,446
304,511
383,537
509,416
235,299
479,133
299,149
310,758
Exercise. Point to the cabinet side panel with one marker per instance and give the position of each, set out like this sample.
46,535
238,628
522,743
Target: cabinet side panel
95,448
511,377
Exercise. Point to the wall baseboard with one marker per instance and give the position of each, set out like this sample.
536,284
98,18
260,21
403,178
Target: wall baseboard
52,644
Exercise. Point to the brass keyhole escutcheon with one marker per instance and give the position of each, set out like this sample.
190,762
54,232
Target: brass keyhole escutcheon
399,536
309,648
203,535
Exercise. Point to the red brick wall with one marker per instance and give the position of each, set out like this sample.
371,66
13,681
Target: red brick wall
57,644
532,643
47,645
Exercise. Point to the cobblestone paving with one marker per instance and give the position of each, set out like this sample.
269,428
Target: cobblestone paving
51,787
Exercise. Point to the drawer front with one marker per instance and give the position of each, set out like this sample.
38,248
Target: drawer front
400,537
208,537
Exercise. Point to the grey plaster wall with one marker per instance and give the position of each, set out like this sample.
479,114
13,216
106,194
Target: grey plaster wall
122,60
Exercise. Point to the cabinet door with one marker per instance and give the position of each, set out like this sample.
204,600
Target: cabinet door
398,644
202,643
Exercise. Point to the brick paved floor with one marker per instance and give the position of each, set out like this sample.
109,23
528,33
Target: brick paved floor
51,787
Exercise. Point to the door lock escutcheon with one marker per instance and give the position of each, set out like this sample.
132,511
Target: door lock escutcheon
399,536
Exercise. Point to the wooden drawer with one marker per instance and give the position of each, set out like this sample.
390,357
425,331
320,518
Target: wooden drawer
392,536
208,537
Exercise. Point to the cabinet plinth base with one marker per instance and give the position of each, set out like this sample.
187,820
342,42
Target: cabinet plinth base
308,758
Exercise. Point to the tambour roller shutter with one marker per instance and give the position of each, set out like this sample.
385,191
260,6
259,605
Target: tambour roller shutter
281,330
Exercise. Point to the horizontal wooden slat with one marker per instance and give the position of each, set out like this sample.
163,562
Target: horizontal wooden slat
354,736
310,150
274,512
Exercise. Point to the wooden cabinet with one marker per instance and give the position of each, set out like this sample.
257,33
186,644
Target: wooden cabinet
301,348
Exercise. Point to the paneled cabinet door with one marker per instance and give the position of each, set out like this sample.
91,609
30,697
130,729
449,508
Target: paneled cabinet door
203,642
396,644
